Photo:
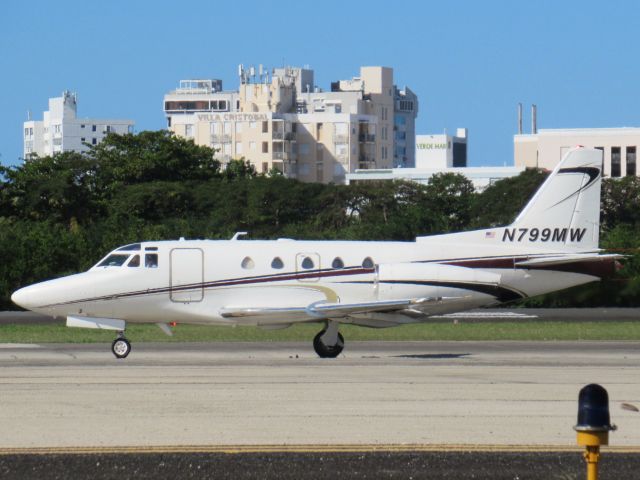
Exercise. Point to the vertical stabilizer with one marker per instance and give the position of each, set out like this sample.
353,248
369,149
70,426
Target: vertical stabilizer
565,211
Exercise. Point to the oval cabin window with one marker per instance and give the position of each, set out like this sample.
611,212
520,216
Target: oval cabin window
247,263
367,263
337,263
307,263
277,263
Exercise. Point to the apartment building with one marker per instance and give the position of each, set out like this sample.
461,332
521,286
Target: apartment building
61,130
281,120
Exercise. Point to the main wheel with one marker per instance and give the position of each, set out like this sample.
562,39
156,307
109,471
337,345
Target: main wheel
328,351
121,347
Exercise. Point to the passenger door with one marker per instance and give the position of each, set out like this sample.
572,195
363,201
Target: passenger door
187,275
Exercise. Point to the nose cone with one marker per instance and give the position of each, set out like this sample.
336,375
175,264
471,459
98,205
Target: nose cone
23,298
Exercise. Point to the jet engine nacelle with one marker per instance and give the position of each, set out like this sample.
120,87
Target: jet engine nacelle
428,279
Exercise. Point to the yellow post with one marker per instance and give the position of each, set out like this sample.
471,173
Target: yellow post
592,455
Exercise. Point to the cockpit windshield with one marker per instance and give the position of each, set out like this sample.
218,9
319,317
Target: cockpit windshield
114,260
131,256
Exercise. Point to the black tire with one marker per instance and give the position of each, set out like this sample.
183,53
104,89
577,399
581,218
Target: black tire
328,351
121,347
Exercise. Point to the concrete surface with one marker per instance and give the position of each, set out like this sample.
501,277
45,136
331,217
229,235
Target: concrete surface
380,393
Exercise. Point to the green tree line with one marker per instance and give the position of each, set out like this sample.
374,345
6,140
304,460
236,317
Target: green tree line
60,214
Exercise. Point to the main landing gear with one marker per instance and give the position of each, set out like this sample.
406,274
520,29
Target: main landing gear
121,347
329,343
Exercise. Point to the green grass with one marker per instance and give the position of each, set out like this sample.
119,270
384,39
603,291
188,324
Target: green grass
525,330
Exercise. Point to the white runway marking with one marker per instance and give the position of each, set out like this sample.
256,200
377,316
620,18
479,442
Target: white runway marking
19,345
487,315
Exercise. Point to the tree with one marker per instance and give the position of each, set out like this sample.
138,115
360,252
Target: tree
500,203
451,196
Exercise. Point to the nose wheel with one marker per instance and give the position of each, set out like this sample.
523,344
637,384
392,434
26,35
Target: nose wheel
121,347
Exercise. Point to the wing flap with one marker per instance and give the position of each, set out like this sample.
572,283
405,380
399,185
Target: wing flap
321,310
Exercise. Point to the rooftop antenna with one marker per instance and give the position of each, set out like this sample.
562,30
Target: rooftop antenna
519,118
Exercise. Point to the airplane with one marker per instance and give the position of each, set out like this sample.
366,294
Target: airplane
551,245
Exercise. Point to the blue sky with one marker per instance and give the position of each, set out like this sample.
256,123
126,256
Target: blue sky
470,62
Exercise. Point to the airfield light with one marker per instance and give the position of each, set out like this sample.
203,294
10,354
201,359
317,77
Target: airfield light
594,425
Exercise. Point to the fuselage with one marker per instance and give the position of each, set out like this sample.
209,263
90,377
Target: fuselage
196,281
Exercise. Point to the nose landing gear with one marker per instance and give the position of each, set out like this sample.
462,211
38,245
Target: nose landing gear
121,347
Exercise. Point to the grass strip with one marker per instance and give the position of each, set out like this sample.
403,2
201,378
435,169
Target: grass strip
478,331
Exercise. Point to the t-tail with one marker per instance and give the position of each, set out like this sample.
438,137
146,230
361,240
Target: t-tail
564,213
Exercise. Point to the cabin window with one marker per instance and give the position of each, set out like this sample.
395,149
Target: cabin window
247,263
307,263
151,249
277,263
134,262
126,248
337,263
151,260
114,260
367,263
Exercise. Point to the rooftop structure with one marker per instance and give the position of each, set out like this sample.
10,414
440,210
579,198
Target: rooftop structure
61,130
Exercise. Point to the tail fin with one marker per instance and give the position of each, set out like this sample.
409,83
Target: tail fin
565,211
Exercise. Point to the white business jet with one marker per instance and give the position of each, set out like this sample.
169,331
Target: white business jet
552,245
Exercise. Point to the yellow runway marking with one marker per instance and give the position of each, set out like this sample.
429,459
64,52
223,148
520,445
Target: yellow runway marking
240,449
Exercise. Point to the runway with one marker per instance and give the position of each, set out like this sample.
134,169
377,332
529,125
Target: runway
264,394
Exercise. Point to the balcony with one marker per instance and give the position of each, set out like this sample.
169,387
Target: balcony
217,138
366,161
366,137
280,155
287,136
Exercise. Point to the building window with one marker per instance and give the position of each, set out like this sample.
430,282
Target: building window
631,161
265,147
265,127
188,130
94,141
252,146
82,139
615,162
265,167
82,126
93,128
238,127
239,148
252,124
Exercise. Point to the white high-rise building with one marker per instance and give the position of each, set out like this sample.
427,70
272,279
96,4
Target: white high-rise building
61,131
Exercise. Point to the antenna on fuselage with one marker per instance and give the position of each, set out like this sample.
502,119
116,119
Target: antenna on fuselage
238,235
